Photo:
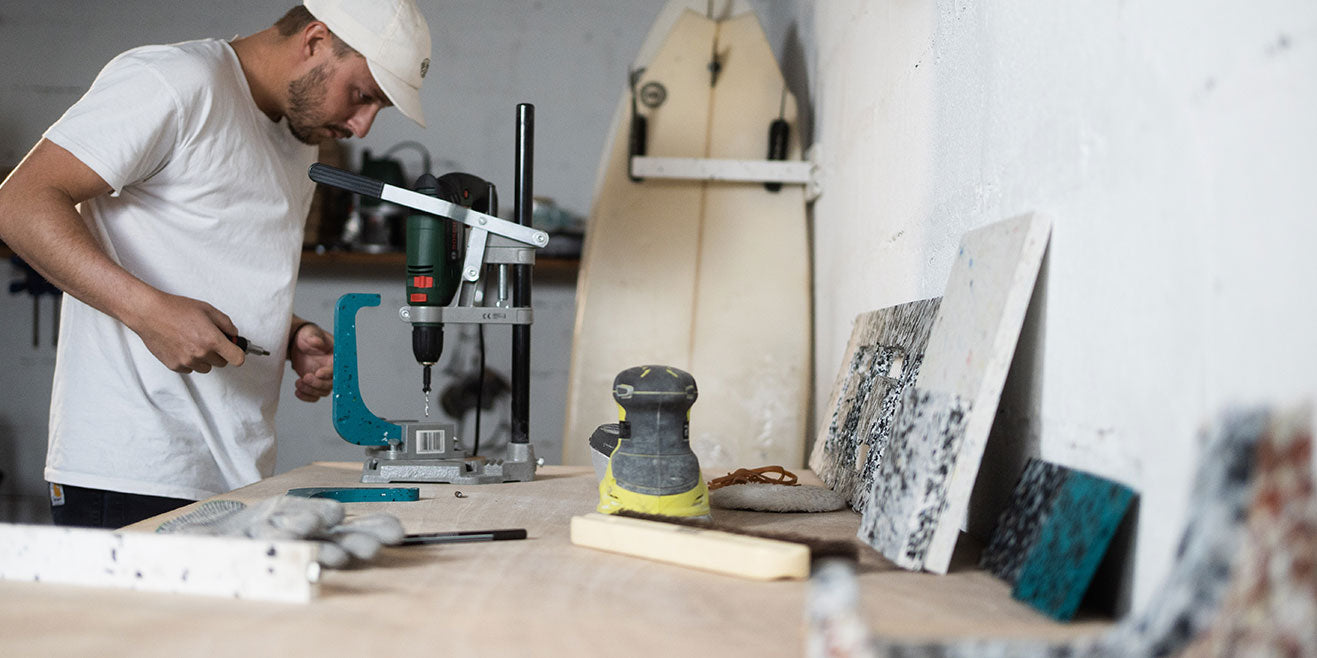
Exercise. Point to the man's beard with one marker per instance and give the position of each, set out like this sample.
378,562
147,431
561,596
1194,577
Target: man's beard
306,98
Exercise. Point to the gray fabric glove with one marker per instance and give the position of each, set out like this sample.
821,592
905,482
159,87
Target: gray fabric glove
291,517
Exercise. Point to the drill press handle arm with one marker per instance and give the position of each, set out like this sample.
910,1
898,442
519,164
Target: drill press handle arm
346,180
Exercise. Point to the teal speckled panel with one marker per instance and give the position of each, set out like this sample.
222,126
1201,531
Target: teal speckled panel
1071,543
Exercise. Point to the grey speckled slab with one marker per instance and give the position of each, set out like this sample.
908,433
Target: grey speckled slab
919,500
909,494
882,360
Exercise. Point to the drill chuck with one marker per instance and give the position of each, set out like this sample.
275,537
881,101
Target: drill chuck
427,343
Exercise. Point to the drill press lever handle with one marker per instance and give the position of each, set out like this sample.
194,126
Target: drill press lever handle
346,180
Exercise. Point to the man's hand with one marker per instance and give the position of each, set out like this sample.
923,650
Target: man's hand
311,350
187,335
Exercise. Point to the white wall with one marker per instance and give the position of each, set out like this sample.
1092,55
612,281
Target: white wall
1172,143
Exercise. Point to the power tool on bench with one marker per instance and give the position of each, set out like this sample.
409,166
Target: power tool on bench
445,283
652,469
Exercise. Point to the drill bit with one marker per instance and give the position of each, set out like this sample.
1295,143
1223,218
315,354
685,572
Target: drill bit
425,387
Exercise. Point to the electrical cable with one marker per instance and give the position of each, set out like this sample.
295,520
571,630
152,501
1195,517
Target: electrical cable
416,146
480,391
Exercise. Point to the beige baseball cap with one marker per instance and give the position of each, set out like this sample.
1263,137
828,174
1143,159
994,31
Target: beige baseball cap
393,37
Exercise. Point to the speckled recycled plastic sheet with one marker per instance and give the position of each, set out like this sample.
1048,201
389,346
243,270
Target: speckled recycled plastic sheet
1053,534
882,360
919,499
909,493
1271,607
1237,501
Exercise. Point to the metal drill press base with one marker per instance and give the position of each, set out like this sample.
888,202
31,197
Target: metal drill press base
399,463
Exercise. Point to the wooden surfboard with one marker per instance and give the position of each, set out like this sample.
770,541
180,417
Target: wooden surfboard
710,277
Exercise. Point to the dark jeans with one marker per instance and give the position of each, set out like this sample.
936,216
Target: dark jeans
97,508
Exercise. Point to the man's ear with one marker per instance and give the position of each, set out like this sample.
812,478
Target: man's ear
313,39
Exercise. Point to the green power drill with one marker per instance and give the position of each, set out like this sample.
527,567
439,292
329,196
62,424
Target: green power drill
434,260
653,470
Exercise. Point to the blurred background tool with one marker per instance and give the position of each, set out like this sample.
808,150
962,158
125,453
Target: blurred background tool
374,225
653,470
36,286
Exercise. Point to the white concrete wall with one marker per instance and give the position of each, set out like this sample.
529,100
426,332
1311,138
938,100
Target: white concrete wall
1174,145
25,374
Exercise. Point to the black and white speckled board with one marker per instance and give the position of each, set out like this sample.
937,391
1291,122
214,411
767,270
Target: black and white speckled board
1023,519
882,360
919,499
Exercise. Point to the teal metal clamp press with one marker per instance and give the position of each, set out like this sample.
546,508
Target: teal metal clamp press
359,494
353,420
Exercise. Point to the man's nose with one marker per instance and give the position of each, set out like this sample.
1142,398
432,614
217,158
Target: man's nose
360,122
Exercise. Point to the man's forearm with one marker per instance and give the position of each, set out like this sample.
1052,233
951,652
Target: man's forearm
40,222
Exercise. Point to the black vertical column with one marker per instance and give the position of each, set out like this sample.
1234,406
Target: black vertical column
524,197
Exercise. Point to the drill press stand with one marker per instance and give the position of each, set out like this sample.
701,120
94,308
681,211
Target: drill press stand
413,451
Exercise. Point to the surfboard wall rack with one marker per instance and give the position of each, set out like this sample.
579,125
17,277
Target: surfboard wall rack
788,172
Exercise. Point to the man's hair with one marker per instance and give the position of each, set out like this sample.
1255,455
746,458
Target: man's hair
299,17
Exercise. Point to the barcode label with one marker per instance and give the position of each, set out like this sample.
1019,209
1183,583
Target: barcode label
430,441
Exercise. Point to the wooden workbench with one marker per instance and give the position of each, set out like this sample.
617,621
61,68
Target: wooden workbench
541,596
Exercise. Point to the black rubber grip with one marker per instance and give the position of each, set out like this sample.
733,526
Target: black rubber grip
637,143
463,536
346,180
778,132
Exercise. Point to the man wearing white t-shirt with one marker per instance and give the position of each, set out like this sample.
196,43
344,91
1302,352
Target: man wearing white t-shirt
169,204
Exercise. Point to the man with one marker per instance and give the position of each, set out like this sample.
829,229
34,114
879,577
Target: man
169,204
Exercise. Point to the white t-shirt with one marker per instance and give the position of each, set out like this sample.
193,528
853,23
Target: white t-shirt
210,199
